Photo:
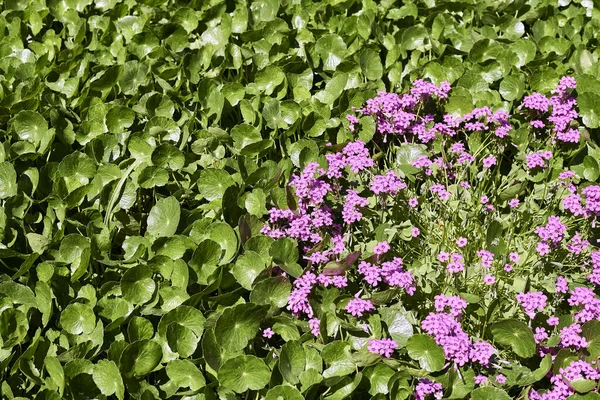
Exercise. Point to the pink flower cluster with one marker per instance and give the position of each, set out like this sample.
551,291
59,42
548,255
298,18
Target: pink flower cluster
391,272
538,159
448,333
383,347
532,302
357,306
425,387
563,111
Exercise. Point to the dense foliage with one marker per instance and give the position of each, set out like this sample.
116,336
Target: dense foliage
215,199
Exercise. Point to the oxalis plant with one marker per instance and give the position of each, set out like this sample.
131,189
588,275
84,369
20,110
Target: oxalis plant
444,255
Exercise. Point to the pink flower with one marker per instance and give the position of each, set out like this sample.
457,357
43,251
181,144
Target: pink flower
514,257
413,202
268,333
315,325
552,321
381,248
508,267
513,203
489,279
542,248
443,256
489,161
484,200
461,242
501,379
480,379
415,232
562,286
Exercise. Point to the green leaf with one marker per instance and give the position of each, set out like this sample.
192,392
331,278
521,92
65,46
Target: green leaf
414,38
285,253
274,291
107,377
213,183
56,372
13,327
512,88
163,218
8,180
78,319
30,126
337,356
489,393
137,284
283,392
591,332
398,325
264,10
135,74
244,373
292,361
244,135
224,234
140,358
515,334
332,50
247,267
379,377
591,169
238,325
425,350
168,156
583,385
119,118
370,64
153,177
184,373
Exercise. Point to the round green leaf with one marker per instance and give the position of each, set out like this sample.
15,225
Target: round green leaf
515,334
8,180
164,217
274,290
238,325
119,118
78,318
583,385
184,373
139,329
137,284
153,176
140,358
247,267
489,393
425,350
107,377
186,316
13,327
292,361
512,88
244,373
226,237
182,339
244,135
283,392
30,126
213,183
332,50
370,64
168,156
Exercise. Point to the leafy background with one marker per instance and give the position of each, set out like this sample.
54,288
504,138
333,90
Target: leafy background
142,143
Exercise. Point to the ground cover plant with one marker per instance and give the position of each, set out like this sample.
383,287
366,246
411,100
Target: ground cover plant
296,199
